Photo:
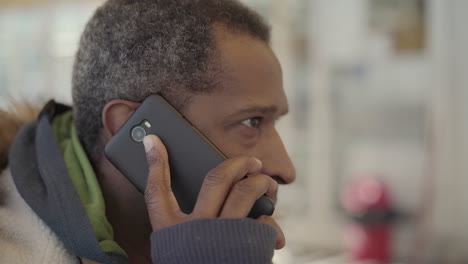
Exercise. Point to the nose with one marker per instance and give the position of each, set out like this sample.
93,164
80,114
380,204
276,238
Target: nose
276,161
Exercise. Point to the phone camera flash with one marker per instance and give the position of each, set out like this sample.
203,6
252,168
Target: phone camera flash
147,124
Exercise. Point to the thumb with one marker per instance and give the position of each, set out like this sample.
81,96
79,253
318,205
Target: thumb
160,200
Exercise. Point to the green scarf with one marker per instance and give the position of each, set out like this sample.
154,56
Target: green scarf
85,181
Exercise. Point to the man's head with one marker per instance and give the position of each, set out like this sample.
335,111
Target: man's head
209,58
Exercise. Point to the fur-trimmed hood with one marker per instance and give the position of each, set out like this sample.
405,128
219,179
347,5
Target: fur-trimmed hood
10,122
35,186
24,238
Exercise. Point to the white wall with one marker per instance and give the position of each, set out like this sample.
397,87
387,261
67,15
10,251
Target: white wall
446,227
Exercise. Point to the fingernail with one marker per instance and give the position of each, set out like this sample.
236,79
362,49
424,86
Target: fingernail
151,155
149,144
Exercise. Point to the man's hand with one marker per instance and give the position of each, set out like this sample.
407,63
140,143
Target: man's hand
224,193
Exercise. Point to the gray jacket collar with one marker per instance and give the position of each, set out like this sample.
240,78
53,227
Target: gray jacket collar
41,177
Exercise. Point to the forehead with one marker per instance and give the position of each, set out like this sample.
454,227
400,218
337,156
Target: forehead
250,70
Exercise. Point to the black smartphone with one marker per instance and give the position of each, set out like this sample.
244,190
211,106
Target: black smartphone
191,154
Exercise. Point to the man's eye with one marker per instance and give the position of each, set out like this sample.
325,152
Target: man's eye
252,122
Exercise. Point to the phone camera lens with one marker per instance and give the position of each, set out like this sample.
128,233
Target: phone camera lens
138,133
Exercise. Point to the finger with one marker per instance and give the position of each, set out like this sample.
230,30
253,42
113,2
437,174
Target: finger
219,181
160,200
280,238
244,194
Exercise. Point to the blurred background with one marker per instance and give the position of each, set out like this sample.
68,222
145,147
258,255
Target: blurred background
378,128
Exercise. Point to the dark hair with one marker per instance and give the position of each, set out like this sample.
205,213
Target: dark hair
132,48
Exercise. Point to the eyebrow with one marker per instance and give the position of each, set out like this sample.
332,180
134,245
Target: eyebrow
258,109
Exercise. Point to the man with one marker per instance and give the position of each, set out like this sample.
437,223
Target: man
211,59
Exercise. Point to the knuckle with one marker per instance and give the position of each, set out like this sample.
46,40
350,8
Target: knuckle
242,161
214,177
229,170
245,187
149,196
152,157
248,161
245,164
265,179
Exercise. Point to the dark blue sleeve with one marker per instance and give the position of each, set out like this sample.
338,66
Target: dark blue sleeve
214,241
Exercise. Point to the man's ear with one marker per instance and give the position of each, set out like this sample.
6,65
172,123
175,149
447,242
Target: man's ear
115,114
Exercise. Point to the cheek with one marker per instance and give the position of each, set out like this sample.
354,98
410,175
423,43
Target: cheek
232,143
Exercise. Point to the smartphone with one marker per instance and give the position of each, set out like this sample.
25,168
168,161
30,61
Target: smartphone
191,154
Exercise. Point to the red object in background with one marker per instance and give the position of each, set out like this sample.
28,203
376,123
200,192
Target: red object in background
368,236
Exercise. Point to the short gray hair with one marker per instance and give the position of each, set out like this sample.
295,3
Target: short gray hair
133,48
